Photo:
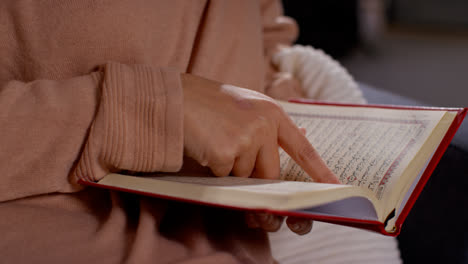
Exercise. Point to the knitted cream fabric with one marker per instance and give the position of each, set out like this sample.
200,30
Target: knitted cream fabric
334,244
324,79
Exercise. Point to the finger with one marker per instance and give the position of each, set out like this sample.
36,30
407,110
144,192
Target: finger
303,130
299,226
267,165
269,222
222,170
251,220
299,148
244,165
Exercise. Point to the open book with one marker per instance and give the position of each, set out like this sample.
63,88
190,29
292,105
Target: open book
383,156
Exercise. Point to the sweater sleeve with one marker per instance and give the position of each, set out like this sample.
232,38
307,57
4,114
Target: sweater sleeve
278,30
118,118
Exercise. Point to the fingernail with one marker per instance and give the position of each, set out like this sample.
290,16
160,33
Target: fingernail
263,217
334,180
295,227
303,130
251,221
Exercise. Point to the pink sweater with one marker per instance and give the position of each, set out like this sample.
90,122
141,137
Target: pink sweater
88,87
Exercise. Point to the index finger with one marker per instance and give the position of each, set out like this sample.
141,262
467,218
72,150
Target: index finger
294,142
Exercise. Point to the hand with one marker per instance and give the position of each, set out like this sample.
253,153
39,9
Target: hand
272,223
235,130
231,129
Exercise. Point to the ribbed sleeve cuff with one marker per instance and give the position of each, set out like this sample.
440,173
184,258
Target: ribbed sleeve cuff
139,124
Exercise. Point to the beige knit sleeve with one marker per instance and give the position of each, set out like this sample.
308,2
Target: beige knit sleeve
118,118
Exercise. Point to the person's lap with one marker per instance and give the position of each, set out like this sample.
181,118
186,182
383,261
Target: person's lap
97,226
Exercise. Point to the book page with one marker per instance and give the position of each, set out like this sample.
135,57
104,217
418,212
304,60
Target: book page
367,147
250,184
237,192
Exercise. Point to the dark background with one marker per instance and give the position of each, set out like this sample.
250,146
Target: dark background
415,48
